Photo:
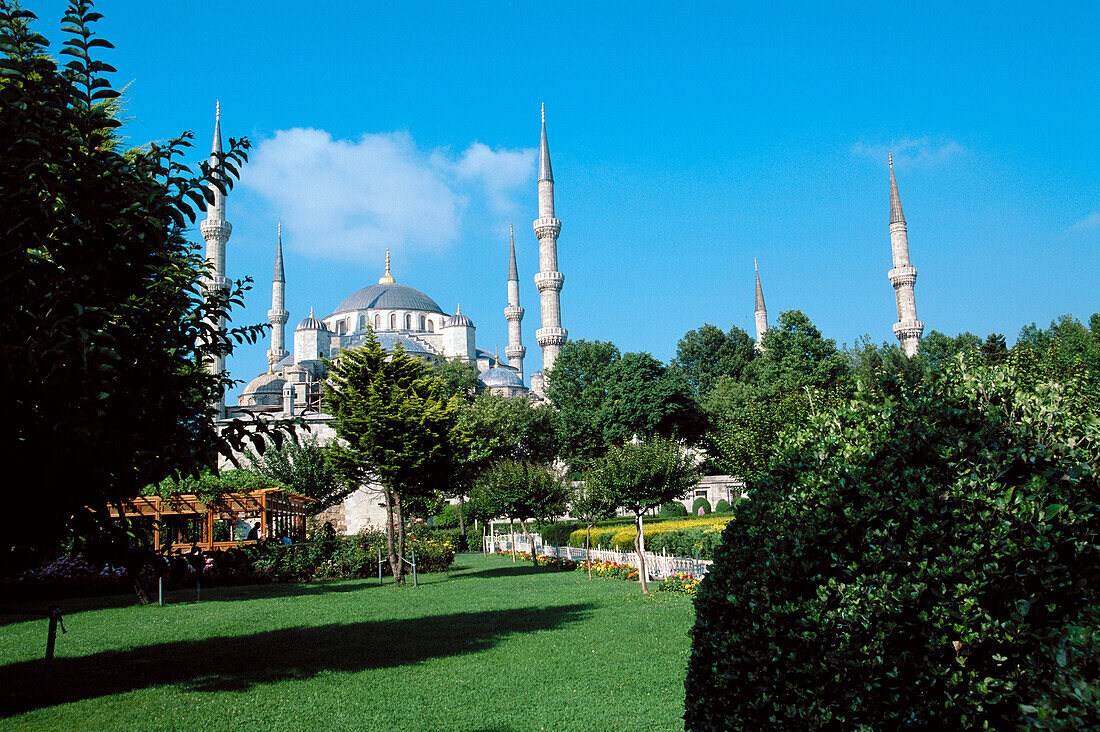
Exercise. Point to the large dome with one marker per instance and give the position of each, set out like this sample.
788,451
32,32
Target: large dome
388,297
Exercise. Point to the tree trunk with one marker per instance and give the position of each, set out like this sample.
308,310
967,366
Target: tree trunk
588,548
483,535
512,528
463,545
399,518
531,541
639,543
391,552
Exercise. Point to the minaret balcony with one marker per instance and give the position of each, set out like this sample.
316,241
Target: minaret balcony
218,283
908,329
513,312
902,276
514,352
549,281
277,317
551,336
213,228
547,228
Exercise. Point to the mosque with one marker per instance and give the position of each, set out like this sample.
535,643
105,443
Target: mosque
401,315
397,315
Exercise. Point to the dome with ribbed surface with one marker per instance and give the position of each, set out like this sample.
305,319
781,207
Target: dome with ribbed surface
388,297
311,323
500,376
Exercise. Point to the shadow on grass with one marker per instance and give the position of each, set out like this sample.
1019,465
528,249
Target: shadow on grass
516,570
238,663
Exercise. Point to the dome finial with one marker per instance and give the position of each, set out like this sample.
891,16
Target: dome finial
311,311
890,155
458,308
387,279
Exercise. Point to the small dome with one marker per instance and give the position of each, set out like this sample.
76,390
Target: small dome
501,376
458,319
265,384
311,323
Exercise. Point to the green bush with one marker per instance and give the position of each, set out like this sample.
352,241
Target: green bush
722,506
685,543
928,559
447,518
556,533
700,502
672,508
454,536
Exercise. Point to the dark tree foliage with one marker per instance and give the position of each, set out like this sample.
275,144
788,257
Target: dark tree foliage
707,353
304,468
105,328
604,397
460,379
938,350
396,428
928,559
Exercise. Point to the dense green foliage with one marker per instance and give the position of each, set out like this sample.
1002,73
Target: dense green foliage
105,326
396,428
605,398
924,556
451,655
520,491
304,468
706,354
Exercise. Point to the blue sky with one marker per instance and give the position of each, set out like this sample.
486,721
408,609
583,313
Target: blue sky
686,138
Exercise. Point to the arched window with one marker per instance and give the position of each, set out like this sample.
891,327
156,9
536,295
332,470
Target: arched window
393,321
422,321
431,327
408,322
362,322
376,321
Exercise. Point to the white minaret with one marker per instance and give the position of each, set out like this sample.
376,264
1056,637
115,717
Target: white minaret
515,350
551,336
761,310
278,315
908,329
215,231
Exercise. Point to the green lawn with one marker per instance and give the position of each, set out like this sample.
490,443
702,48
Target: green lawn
490,646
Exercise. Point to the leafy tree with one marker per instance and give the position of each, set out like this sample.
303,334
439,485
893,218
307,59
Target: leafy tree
460,378
707,353
928,562
303,467
105,326
591,502
939,349
643,475
604,397
578,388
395,427
521,491
498,428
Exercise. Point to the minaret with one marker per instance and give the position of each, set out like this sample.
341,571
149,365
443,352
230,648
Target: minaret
908,329
515,350
215,231
278,315
761,310
551,336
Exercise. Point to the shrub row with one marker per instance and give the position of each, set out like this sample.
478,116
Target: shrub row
550,562
680,537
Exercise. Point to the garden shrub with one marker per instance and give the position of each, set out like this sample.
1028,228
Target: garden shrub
557,533
447,518
673,508
722,506
681,583
702,503
927,559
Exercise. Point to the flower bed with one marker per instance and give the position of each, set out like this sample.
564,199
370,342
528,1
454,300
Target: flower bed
561,563
621,538
610,570
681,582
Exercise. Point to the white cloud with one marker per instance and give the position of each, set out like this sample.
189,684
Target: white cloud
354,198
1086,225
910,153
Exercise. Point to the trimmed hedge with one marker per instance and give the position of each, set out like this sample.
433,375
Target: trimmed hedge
681,537
722,506
700,502
925,560
672,508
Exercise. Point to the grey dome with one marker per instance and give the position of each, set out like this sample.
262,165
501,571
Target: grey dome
500,376
458,319
265,384
311,323
388,297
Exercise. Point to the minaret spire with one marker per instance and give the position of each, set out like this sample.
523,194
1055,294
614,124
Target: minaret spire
278,315
515,350
761,310
387,279
215,232
903,276
551,336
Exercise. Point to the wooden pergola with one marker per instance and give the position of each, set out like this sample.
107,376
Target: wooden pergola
280,513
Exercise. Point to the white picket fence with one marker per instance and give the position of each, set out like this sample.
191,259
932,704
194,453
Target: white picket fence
658,566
